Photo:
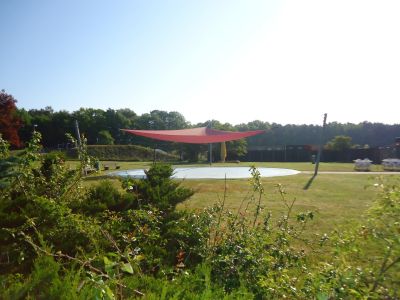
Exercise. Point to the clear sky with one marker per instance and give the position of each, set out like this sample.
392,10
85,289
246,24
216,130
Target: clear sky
233,61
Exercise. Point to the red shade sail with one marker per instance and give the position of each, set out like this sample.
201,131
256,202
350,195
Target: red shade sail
201,135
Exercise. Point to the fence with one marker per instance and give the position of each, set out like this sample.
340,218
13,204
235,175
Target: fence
303,153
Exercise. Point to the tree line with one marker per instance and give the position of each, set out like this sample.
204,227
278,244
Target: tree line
103,127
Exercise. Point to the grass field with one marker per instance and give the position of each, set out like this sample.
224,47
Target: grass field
300,166
337,199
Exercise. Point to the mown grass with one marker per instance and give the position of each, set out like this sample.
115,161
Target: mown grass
336,199
300,166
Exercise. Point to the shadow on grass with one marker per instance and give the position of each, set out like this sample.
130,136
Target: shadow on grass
309,182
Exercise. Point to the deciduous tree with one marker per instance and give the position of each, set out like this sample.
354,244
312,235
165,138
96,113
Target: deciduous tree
339,143
105,138
9,120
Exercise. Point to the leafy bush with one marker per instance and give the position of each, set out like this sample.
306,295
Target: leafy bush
123,152
36,202
366,258
248,250
104,196
159,190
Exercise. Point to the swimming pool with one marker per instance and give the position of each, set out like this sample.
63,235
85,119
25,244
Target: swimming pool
211,173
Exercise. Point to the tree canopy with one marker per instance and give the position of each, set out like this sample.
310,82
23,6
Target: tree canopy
103,127
339,143
9,120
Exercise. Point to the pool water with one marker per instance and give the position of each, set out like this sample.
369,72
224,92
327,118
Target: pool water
211,173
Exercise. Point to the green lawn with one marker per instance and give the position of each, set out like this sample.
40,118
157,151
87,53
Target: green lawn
300,166
336,198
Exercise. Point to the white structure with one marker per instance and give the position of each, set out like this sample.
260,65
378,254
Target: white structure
362,164
391,164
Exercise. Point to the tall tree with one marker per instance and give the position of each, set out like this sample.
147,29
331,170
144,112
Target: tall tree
42,120
9,120
339,143
105,138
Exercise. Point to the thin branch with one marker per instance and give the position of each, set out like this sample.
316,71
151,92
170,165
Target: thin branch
220,213
81,262
392,264
383,268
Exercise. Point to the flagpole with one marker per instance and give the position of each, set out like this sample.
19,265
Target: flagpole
320,146
210,145
210,150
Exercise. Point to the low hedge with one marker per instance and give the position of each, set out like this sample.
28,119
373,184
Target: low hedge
123,152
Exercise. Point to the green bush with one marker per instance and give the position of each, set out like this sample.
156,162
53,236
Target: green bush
365,260
159,190
104,196
123,152
35,203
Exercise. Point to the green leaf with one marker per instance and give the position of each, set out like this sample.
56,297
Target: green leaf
108,264
127,267
109,292
139,257
354,293
322,296
112,254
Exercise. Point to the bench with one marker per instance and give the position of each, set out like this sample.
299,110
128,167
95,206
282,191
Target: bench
110,165
88,170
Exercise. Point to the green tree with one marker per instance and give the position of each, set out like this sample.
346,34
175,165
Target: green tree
339,143
90,122
119,119
53,125
235,149
105,138
9,120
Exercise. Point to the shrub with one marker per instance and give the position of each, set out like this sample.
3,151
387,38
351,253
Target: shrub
159,190
35,203
366,258
104,196
123,152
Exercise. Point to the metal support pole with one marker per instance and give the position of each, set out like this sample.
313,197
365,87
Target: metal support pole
320,146
210,153
210,145
78,135
397,147
285,154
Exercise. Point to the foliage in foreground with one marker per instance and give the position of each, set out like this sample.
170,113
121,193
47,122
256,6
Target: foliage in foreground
61,241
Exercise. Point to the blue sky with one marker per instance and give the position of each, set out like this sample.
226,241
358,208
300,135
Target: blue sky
234,61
